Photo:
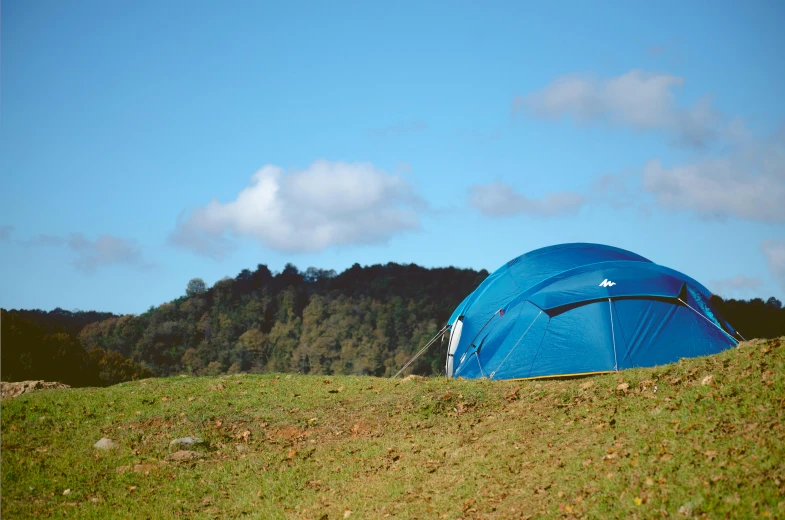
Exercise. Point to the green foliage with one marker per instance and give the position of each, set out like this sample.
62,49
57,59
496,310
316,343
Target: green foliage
753,318
29,352
60,320
195,287
363,321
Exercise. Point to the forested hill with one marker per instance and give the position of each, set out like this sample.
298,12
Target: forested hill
366,320
41,345
60,320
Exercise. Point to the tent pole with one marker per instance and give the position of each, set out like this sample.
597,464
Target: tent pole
613,335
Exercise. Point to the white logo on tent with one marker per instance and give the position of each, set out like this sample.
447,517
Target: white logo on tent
607,283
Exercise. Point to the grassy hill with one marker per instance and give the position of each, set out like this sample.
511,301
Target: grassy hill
703,437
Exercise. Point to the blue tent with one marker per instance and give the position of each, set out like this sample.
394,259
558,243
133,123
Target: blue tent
576,309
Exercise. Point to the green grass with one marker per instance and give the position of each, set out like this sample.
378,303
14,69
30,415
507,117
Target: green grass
316,447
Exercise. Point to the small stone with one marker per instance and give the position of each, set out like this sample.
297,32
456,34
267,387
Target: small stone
707,380
186,441
183,455
105,444
67,492
685,509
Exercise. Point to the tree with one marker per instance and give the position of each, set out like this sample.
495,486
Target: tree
195,287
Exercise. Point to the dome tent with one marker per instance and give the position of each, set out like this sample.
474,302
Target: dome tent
577,309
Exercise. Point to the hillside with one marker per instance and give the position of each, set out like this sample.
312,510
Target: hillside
703,437
363,321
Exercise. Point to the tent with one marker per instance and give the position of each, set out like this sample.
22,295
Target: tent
579,309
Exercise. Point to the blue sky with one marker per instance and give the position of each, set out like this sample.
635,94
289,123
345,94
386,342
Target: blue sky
143,144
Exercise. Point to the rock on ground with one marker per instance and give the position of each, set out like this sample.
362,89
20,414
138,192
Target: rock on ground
105,444
186,441
9,390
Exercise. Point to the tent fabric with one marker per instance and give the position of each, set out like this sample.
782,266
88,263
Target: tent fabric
581,308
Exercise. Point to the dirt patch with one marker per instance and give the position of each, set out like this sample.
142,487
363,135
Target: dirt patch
10,390
290,434
184,455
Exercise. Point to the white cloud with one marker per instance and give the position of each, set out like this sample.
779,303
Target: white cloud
636,99
739,285
107,250
326,204
774,252
499,200
749,183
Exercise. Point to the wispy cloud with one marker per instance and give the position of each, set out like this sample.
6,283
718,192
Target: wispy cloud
45,240
774,252
92,255
480,136
398,129
326,204
749,183
105,251
618,191
5,232
739,285
637,99
499,199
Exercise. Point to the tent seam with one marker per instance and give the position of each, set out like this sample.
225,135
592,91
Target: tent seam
707,319
514,346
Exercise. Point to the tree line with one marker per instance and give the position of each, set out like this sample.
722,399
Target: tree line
365,321
38,345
